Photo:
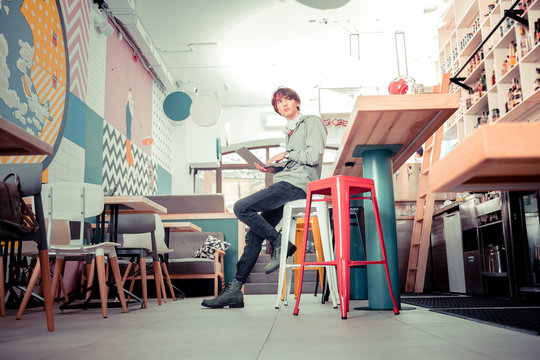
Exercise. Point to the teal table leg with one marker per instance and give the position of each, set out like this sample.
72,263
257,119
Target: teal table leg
377,165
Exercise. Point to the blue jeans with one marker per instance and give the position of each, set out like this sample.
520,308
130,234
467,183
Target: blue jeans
262,212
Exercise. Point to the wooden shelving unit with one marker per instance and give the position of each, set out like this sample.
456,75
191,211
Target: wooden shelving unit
466,25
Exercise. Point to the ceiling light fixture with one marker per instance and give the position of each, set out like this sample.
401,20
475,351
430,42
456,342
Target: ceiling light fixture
324,4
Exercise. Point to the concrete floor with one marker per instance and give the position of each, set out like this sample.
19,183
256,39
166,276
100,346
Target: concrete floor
185,330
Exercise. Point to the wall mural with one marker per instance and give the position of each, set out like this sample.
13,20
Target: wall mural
77,21
34,71
127,149
126,178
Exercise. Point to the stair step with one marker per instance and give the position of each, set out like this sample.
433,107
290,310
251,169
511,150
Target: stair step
261,277
265,259
260,283
271,288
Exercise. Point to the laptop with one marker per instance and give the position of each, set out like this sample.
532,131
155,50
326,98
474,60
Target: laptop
252,159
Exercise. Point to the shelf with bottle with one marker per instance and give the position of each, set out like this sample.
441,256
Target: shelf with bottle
532,55
511,57
493,15
532,5
479,100
477,93
508,76
475,69
507,36
466,13
449,56
520,111
525,5
469,42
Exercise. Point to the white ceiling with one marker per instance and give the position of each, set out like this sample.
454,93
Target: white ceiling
241,50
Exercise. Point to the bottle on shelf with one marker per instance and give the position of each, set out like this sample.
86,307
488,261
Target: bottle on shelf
536,31
524,43
513,54
494,115
505,66
493,80
518,96
537,80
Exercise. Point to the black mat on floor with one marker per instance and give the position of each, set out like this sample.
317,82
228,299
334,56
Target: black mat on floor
525,320
464,302
408,295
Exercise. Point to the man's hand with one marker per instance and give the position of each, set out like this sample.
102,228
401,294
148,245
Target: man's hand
276,158
263,169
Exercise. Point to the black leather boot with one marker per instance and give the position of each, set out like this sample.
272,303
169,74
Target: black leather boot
273,265
231,296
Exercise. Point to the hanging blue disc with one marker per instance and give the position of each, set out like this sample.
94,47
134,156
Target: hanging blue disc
177,105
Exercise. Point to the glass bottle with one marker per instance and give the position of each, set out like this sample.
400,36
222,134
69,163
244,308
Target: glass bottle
512,54
523,41
505,66
517,93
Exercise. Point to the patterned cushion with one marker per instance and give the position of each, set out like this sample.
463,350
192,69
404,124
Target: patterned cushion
209,247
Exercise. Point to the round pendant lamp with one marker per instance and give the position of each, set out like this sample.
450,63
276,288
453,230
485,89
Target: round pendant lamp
205,110
177,105
324,4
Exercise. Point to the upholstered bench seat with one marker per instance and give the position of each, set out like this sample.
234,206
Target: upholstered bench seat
182,264
191,266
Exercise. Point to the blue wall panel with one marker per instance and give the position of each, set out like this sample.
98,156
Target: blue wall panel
94,148
164,184
75,129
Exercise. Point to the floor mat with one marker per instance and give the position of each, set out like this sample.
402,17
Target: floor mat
464,302
525,320
426,294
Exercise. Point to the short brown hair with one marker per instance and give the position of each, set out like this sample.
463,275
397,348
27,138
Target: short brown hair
284,92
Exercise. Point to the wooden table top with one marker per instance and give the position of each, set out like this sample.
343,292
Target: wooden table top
15,141
181,226
503,156
135,203
403,120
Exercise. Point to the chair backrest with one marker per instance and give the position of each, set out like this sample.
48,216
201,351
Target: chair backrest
29,175
73,201
144,239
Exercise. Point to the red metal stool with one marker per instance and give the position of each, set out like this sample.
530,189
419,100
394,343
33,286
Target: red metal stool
340,189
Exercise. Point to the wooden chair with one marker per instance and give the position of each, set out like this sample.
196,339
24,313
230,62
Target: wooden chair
143,236
73,201
30,185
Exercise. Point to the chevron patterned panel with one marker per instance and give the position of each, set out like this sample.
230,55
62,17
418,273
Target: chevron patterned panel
129,180
77,22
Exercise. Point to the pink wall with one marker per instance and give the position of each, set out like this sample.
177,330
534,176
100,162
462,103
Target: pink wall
125,74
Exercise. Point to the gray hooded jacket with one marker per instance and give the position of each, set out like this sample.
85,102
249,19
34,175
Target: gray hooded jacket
306,146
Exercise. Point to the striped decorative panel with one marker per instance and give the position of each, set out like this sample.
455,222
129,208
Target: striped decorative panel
77,21
140,179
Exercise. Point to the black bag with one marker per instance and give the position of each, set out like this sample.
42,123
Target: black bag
13,210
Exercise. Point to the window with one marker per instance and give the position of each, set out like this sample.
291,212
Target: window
240,183
205,181
237,179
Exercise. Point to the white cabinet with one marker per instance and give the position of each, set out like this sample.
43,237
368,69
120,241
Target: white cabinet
454,252
498,60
